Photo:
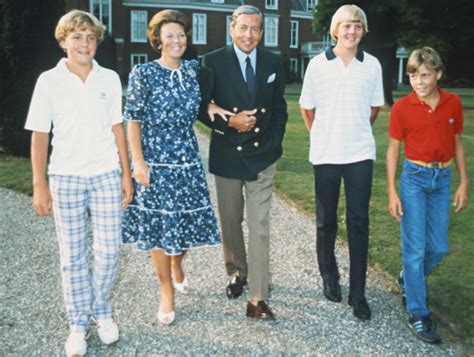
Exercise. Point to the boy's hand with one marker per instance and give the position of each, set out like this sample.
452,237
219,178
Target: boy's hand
127,190
214,109
460,198
141,173
395,206
42,200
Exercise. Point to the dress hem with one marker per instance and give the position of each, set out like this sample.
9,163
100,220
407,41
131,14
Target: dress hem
169,254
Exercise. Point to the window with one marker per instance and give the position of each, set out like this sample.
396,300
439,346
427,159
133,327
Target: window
138,26
294,26
311,5
200,29
218,1
294,66
227,25
138,58
103,11
271,4
271,31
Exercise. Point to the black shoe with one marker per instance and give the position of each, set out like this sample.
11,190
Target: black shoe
401,285
260,311
235,287
424,329
360,307
332,289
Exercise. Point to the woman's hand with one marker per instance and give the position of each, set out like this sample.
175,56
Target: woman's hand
141,173
214,109
42,200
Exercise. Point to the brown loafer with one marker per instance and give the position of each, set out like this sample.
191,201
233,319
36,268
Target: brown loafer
259,311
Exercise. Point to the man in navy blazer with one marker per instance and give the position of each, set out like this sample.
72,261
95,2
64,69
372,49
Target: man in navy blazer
242,89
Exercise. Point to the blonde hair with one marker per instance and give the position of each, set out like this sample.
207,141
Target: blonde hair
424,56
347,13
166,17
78,20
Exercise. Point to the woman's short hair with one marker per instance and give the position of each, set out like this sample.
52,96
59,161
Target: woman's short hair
166,17
246,10
348,13
424,56
78,20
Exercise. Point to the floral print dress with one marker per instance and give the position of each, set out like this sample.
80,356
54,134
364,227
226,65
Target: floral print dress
175,212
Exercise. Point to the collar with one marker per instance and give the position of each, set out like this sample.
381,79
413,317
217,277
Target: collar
63,67
413,99
330,55
242,56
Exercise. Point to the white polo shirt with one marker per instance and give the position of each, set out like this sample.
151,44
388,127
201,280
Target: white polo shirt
81,116
342,98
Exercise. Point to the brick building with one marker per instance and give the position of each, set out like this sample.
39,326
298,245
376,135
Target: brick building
287,27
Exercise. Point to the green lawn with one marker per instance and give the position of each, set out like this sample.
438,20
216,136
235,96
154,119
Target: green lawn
451,287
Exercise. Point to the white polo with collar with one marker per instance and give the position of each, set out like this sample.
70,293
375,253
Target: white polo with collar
342,97
81,115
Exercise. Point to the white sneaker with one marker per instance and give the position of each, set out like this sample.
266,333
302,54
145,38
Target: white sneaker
76,344
108,331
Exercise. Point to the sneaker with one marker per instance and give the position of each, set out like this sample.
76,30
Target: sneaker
76,344
401,285
424,329
107,330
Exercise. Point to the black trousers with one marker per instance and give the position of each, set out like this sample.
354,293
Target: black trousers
357,178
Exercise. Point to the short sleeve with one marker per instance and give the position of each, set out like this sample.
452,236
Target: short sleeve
116,104
306,98
458,116
40,113
377,98
395,127
136,94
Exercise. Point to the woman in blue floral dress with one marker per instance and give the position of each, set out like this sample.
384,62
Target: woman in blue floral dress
171,211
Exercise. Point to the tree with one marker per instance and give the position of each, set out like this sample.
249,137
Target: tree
442,24
27,48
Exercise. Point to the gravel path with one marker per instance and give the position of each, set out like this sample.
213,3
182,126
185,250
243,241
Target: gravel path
207,323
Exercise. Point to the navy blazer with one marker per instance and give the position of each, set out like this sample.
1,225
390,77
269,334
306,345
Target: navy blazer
243,155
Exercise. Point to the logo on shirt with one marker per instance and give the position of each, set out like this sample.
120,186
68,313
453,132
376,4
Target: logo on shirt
103,95
451,121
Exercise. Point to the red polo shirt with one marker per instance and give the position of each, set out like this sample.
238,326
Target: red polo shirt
428,134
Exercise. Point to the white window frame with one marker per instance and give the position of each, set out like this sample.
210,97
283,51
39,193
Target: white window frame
294,66
134,36
228,37
271,4
311,5
294,33
135,59
269,41
101,14
199,38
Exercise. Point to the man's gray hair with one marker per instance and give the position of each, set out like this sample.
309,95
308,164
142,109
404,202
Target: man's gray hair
246,10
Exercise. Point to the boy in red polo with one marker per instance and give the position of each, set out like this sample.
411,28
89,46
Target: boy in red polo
430,121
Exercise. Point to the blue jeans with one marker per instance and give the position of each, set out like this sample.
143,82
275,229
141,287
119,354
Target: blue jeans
425,194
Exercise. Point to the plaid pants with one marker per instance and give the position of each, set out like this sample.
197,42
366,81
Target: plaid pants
72,196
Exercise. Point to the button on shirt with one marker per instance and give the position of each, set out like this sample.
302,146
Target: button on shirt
342,97
81,115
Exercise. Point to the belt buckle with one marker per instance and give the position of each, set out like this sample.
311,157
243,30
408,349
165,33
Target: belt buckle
436,165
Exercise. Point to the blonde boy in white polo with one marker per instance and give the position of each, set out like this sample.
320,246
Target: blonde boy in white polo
88,170
341,95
